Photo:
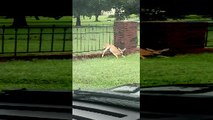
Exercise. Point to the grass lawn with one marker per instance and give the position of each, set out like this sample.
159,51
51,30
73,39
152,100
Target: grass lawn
87,21
65,20
181,69
36,74
106,72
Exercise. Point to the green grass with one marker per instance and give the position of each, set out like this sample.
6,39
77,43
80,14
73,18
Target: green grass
106,72
181,69
36,74
65,20
87,21
103,19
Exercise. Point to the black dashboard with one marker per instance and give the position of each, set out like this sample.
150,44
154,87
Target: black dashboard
35,105
91,111
181,102
177,102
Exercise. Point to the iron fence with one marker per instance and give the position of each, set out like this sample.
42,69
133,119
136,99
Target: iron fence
93,37
35,39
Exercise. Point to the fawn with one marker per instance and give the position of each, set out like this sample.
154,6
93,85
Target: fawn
114,50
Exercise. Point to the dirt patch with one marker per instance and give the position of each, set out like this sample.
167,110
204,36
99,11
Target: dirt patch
31,57
69,55
98,55
89,56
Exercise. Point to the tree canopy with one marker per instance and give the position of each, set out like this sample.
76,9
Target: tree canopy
19,9
123,8
159,9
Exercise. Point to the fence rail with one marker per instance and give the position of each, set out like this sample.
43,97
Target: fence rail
34,39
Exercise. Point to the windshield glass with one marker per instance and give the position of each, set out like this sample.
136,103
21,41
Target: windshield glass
35,52
176,44
105,44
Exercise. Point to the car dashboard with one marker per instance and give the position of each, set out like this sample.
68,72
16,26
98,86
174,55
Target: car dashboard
94,111
180,102
35,105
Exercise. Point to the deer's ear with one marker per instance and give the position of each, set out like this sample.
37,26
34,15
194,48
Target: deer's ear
124,49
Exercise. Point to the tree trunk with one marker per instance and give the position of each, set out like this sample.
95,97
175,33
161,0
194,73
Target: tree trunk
78,21
96,18
37,18
19,21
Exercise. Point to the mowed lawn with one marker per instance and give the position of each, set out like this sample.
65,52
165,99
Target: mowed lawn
181,69
106,72
36,74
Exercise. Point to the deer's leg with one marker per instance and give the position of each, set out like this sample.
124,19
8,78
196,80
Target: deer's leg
142,57
163,56
115,55
104,51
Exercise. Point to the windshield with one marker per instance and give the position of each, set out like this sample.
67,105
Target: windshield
106,57
176,44
105,53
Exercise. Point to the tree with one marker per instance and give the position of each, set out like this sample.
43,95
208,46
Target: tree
174,9
20,20
80,7
132,7
123,8
97,6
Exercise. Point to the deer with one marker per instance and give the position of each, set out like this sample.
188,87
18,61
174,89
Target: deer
151,52
116,51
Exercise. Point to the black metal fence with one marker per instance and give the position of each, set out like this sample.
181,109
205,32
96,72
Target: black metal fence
35,39
93,37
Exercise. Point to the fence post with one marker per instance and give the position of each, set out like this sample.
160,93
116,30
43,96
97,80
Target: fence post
3,29
40,41
53,33
15,48
65,29
125,35
28,38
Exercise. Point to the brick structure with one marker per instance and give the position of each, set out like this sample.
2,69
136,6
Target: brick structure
125,35
178,36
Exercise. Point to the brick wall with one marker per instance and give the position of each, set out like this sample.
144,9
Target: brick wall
125,35
178,36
